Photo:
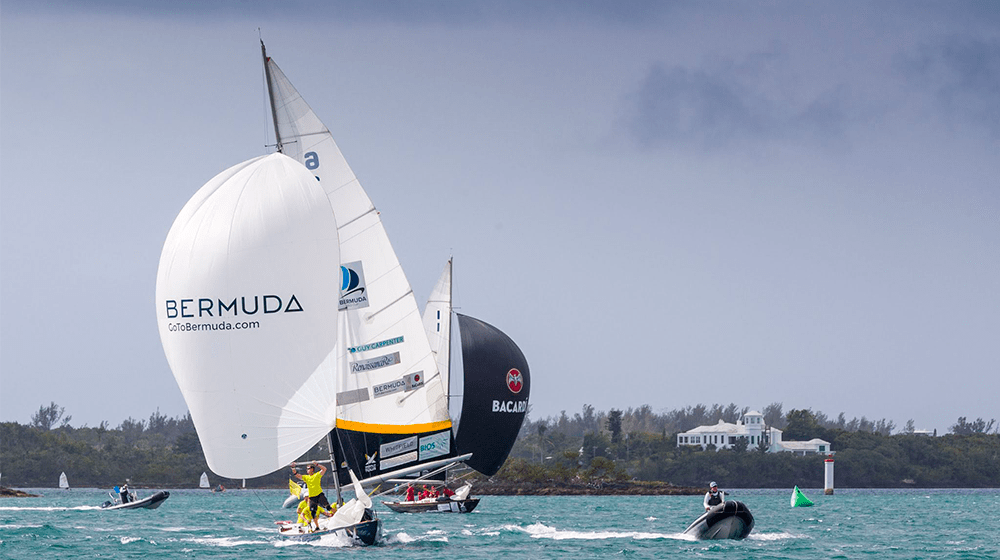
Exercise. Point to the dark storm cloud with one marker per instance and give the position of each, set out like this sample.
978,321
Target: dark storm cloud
962,74
449,12
677,106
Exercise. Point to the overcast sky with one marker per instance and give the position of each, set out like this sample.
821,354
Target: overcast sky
661,203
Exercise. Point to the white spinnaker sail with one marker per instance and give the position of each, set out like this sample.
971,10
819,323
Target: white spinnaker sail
437,323
388,381
246,297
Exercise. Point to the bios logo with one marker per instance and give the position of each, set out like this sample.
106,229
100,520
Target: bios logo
515,381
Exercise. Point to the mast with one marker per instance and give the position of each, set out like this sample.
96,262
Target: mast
335,467
451,282
270,96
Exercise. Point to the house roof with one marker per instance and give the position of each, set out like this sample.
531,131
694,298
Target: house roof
721,427
804,445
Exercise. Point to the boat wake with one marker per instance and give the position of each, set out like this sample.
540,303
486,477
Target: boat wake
773,536
50,508
330,540
224,542
542,531
433,536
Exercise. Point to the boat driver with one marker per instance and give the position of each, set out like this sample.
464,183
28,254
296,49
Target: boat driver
714,496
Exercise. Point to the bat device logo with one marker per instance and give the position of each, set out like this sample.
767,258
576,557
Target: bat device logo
515,381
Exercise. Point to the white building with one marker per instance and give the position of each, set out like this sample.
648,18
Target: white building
724,436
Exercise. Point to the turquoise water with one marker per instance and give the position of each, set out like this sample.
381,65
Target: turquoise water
883,524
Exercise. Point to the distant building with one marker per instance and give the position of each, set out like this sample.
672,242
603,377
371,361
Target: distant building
724,436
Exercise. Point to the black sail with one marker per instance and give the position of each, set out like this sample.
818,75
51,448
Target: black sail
496,389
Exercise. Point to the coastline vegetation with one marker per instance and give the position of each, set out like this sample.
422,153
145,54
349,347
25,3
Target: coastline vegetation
630,451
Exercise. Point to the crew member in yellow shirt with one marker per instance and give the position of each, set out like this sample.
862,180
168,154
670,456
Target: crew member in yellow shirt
316,496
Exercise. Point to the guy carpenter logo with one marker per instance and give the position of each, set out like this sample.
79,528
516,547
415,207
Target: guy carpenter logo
515,381
352,286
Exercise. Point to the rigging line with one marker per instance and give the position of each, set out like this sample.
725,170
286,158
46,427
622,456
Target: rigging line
308,134
418,479
254,490
345,224
414,392
371,316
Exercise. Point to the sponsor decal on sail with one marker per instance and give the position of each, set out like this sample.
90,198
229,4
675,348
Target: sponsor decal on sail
353,290
510,406
515,381
435,445
398,460
396,447
406,383
362,366
351,397
191,308
376,345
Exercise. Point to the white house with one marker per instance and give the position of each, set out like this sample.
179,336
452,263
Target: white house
724,435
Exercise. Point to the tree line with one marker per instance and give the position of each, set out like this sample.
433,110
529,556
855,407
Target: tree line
590,446
639,444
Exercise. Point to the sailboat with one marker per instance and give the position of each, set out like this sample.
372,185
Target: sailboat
494,394
286,319
203,482
63,481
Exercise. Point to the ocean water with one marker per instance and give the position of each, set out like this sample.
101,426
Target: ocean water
883,524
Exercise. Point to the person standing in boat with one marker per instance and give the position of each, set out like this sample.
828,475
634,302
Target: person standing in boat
410,492
316,496
123,493
714,496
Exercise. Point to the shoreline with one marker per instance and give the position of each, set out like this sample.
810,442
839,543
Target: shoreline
636,488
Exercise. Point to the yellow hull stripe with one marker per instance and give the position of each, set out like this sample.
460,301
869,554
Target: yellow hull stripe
391,428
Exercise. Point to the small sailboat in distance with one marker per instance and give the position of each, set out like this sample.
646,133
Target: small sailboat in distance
203,482
63,481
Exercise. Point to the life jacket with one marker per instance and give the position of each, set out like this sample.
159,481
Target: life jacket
714,499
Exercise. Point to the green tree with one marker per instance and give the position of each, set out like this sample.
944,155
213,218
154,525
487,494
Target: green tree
615,424
801,425
48,416
979,426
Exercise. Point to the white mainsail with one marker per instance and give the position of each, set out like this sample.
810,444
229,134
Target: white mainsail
247,299
203,482
437,324
63,481
387,375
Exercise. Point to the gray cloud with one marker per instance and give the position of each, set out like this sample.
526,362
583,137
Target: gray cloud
433,12
962,74
714,109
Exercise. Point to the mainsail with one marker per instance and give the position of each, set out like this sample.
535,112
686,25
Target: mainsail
203,482
246,303
437,325
63,481
391,406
